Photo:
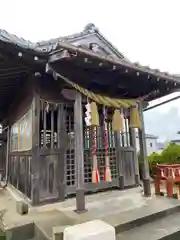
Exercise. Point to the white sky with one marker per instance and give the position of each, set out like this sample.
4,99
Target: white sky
146,31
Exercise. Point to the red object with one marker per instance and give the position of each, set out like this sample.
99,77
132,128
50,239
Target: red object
95,171
168,172
97,176
107,170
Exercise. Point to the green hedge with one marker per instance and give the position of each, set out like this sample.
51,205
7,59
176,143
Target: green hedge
170,155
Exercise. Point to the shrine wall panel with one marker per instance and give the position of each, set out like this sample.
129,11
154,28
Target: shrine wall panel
19,169
49,176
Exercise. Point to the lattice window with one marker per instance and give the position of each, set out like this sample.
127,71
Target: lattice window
100,152
21,133
70,153
70,167
87,138
87,155
48,124
111,138
87,166
14,138
113,163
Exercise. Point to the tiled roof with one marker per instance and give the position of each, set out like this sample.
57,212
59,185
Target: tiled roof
11,38
44,46
52,44
147,135
175,141
151,136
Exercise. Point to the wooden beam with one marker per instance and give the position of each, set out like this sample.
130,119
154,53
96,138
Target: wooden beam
162,103
62,147
52,127
119,161
35,164
132,134
44,127
143,154
7,152
79,154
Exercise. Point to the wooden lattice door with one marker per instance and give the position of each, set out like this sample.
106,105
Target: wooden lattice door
100,157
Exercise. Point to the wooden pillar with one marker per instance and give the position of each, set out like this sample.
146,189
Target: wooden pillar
79,154
119,160
135,158
143,154
7,153
35,164
61,145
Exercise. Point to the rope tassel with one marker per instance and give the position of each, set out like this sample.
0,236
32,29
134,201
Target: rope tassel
95,171
107,173
94,114
117,121
134,118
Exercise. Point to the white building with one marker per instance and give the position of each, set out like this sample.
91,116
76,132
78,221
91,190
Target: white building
151,143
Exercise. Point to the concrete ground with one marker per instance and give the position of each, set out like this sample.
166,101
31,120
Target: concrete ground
159,229
120,200
117,208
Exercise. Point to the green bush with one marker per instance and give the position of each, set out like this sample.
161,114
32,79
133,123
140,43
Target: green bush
170,155
153,160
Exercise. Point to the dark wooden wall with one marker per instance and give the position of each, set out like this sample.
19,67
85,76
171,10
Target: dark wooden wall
19,163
